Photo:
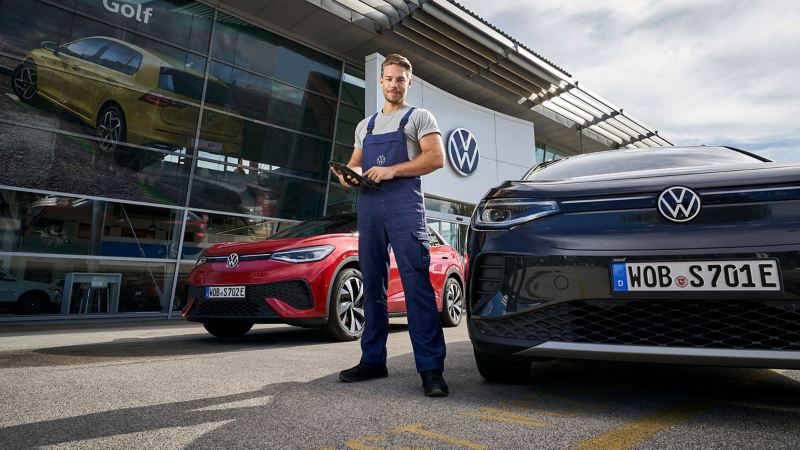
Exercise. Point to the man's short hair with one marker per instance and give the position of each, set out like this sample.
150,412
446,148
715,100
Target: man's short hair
394,59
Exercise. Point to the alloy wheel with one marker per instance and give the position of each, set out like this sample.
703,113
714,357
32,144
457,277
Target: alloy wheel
109,129
25,82
351,305
455,302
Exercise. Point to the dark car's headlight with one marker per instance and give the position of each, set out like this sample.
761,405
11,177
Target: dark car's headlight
301,255
507,212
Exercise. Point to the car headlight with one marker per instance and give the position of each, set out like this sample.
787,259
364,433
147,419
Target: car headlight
507,212
301,255
201,260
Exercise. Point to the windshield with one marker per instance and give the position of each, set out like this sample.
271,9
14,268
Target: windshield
619,161
330,225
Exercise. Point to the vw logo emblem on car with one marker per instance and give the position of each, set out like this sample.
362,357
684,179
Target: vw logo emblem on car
679,204
233,260
381,160
462,151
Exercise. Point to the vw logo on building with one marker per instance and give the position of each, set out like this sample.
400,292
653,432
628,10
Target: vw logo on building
233,260
462,151
679,204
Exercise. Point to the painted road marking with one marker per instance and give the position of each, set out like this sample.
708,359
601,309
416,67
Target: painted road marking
519,406
500,415
359,443
419,429
634,432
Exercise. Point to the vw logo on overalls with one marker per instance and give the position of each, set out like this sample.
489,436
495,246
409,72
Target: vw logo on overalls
462,151
381,160
233,260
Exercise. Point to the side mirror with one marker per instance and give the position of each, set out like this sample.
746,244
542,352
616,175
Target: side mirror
50,45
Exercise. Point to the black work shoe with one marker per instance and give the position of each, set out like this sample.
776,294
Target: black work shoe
434,384
363,372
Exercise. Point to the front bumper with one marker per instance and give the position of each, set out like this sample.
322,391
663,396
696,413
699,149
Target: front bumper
553,303
280,302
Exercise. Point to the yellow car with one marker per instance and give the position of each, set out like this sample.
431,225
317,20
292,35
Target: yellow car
130,95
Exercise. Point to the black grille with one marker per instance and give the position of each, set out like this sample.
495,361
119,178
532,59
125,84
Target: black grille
746,324
294,293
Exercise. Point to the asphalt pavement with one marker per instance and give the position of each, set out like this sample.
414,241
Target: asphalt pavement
171,385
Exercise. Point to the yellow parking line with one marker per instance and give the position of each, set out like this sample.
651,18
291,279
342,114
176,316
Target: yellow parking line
499,415
359,443
546,412
632,433
419,429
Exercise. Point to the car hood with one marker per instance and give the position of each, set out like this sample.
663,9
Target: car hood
653,181
271,245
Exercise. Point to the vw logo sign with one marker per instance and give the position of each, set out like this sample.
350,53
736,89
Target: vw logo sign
679,204
233,260
381,160
462,151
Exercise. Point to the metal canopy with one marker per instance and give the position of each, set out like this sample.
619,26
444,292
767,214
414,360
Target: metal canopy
449,30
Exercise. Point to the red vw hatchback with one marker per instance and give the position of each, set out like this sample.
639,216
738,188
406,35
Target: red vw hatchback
307,275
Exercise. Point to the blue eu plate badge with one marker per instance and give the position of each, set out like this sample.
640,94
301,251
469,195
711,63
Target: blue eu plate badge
619,276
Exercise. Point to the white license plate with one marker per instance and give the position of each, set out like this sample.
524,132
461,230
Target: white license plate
752,275
225,292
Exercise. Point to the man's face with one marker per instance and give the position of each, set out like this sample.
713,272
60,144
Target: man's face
395,82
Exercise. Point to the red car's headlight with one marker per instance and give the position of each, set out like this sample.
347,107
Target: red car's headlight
301,255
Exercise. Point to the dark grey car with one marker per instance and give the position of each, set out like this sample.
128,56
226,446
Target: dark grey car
685,255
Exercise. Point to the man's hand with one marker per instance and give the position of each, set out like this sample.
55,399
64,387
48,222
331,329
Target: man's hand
353,181
380,173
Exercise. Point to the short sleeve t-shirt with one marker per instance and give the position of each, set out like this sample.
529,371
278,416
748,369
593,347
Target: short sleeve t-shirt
420,123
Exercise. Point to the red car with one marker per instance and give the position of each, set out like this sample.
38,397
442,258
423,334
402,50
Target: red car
307,275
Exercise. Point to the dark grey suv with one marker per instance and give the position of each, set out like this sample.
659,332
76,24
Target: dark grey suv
685,255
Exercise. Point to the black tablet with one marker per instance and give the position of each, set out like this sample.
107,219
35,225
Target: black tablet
350,174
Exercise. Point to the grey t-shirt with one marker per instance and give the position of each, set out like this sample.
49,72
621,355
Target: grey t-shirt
419,124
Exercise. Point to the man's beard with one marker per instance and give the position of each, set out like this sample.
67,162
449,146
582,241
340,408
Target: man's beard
399,101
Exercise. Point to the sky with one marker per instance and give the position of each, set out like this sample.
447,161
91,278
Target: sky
714,72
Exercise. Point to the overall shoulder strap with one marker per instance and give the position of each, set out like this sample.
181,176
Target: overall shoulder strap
371,124
405,118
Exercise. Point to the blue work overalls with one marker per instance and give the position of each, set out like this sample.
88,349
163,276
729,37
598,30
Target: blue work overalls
394,214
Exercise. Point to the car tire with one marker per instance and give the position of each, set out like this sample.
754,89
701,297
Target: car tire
24,81
111,129
32,303
346,306
495,369
452,303
228,329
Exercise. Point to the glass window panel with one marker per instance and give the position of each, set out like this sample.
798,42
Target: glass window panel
265,148
57,224
341,199
244,45
47,160
349,117
38,285
448,206
245,190
184,23
75,94
277,103
205,229
300,66
353,86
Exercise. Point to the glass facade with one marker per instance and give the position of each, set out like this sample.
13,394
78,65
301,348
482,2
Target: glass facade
545,152
136,135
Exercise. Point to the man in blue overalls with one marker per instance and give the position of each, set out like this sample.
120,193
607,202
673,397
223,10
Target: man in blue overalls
394,148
